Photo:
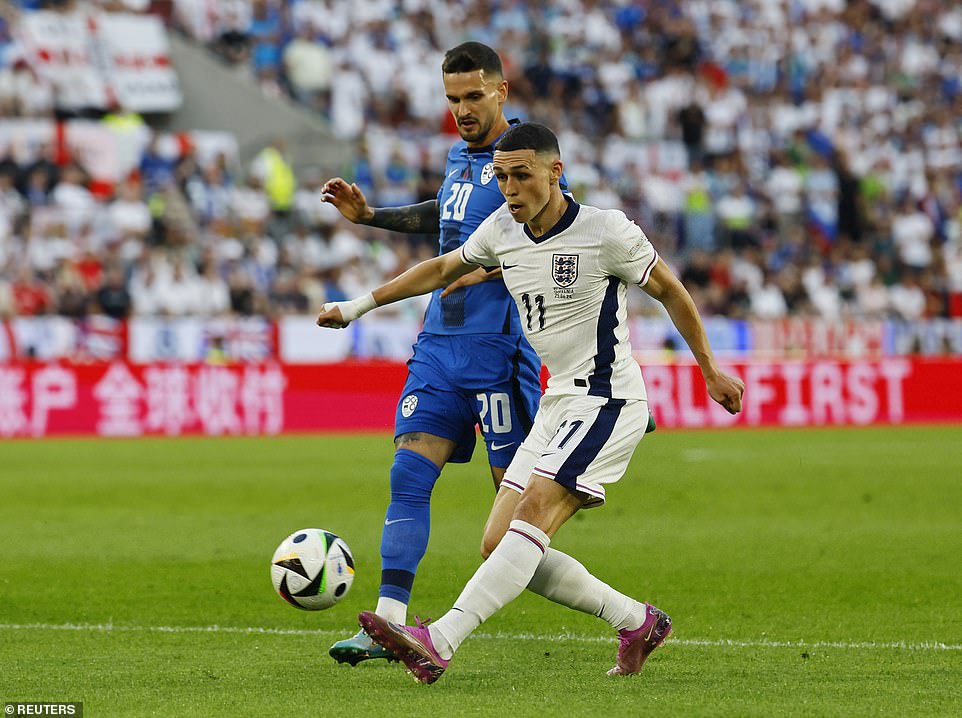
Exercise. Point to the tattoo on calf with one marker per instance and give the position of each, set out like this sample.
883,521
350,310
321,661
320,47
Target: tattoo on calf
408,438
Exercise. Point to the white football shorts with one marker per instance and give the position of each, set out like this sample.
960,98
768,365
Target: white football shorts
581,442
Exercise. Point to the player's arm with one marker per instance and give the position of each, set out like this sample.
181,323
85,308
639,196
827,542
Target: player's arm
664,286
481,274
422,218
419,279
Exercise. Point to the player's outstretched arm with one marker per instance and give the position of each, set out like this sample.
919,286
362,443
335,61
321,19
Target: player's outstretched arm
419,279
350,201
664,286
481,274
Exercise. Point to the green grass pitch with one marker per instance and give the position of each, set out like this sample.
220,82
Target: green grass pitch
808,572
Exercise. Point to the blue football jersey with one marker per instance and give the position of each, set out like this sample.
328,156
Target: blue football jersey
469,194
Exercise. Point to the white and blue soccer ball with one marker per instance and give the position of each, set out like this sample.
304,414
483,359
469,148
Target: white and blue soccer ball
312,569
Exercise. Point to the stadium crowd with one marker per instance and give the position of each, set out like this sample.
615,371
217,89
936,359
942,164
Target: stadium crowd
789,157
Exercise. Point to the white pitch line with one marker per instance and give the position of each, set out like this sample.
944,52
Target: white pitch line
696,642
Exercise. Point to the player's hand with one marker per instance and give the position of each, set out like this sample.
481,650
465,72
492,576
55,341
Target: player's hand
476,277
727,391
348,199
330,317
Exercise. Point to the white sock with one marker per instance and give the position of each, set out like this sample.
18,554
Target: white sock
392,609
564,580
498,581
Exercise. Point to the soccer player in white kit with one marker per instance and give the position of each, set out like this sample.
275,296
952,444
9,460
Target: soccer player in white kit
567,267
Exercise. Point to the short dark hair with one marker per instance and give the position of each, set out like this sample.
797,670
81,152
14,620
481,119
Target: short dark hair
529,136
471,56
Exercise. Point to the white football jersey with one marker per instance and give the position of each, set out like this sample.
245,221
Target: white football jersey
570,285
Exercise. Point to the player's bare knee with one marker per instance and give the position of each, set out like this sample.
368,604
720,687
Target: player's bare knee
529,509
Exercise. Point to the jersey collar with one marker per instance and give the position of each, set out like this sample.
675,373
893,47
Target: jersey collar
490,148
560,226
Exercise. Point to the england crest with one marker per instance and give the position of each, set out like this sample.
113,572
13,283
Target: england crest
564,269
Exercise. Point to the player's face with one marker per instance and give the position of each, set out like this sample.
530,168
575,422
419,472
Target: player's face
475,100
525,179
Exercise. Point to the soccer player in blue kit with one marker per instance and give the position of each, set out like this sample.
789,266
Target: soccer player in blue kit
471,364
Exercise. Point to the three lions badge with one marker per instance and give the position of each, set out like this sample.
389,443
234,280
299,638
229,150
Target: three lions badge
564,269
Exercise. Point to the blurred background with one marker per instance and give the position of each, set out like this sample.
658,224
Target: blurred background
797,162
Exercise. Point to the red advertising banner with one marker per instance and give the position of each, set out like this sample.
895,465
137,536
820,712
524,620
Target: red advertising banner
897,390
119,399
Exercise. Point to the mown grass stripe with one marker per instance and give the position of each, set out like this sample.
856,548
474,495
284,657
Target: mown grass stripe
696,642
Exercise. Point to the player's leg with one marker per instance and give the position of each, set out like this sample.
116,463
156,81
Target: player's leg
426,651
561,578
590,447
418,460
426,424
593,447
433,426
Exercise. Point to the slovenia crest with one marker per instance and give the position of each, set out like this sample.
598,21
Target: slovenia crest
564,269
487,173
408,405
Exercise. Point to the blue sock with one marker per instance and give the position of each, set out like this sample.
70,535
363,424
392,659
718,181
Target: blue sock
404,538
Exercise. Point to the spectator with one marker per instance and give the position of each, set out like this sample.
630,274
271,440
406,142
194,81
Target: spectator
308,68
156,167
7,305
30,295
767,300
130,219
147,289
912,232
213,294
250,204
70,293
286,296
907,299
692,120
872,299
273,171
112,298
737,214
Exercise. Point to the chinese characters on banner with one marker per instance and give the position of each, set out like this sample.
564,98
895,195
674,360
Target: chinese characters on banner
170,399
125,400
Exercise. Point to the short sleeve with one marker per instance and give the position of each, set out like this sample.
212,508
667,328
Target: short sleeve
478,249
626,252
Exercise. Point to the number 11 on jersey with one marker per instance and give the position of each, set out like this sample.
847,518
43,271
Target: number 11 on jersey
538,307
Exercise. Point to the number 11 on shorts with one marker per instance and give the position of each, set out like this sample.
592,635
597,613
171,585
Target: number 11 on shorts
566,431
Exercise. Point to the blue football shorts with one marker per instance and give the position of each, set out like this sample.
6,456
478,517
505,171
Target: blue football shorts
458,383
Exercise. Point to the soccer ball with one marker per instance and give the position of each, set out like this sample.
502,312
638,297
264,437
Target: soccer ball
312,569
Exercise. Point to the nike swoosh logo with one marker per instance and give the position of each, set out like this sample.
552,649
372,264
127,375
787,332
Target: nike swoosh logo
498,447
395,521
506,267
453,172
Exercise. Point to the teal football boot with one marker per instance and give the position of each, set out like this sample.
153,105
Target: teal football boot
359,648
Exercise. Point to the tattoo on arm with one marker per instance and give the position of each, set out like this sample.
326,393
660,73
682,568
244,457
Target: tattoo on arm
420,218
